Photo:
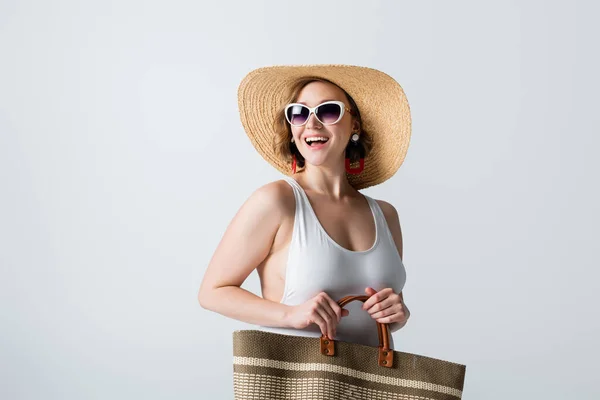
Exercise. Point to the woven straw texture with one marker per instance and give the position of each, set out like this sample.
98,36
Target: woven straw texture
273,366
381,100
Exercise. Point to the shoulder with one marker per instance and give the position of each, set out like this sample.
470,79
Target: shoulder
389,210
393,221
274,198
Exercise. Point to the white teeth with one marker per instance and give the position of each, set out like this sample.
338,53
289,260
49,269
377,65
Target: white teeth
314,139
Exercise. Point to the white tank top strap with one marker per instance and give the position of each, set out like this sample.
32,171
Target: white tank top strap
296,186
383,229
303,223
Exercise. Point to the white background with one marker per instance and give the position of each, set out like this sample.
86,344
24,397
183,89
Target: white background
122,160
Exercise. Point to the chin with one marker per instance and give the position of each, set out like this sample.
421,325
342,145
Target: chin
318,158
318,161
315,161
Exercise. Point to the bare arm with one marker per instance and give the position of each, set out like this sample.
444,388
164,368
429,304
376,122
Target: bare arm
245,244
393,221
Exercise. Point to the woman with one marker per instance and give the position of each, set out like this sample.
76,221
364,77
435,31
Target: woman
313,237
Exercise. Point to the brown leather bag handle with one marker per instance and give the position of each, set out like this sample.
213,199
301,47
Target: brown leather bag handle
386,355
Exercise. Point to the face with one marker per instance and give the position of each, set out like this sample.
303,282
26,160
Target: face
331,152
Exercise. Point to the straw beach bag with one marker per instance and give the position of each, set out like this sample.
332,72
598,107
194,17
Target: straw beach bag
274,366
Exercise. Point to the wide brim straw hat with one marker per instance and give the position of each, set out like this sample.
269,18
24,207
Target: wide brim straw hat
383,107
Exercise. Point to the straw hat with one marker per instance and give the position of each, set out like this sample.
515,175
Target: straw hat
380,99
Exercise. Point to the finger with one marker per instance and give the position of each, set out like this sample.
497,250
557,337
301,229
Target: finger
377,297
386,320
331,322
328,318
335,308
382,305
394,311
399,317
370,291
333,317
327,303
318,319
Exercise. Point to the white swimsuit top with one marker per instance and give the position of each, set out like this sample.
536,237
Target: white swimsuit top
317,263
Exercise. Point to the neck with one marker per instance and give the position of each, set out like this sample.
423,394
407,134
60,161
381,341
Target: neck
327,180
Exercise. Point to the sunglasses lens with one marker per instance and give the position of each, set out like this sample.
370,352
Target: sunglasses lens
328,113
297,114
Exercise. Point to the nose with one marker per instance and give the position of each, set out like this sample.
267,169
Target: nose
313,122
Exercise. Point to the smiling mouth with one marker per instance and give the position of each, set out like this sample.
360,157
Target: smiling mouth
316,141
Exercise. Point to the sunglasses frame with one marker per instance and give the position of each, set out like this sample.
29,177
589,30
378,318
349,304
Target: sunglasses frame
311,110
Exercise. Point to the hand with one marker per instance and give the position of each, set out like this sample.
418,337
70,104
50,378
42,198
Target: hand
321,310
386,306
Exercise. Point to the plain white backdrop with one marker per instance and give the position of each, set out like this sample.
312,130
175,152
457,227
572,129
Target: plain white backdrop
122,160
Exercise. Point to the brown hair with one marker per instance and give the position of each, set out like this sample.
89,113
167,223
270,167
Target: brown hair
283,133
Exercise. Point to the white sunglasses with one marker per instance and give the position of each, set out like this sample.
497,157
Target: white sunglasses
327,113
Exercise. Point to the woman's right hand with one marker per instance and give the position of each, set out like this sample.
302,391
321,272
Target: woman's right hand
321,310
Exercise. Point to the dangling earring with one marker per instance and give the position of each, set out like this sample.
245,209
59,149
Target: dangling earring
354,139
293,157
355,171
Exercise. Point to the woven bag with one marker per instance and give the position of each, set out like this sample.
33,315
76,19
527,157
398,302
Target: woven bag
274,366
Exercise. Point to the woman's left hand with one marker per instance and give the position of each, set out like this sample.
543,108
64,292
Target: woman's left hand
386,306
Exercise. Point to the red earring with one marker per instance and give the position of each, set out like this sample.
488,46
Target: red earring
355,171
354,140
293,163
